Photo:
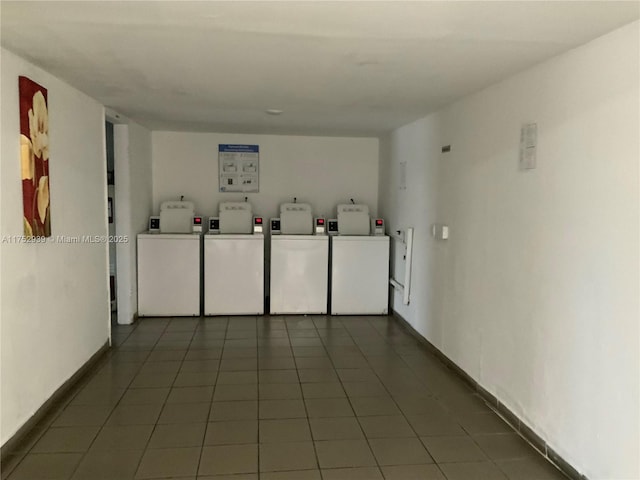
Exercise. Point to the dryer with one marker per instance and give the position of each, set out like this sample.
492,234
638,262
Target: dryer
299,261
234,262
359,263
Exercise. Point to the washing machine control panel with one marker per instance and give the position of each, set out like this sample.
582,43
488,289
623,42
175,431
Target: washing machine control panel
196,225
332,226
321,226
378,226
154,224
257,225
275,226
214,225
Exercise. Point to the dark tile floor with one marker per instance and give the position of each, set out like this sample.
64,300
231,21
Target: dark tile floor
273,398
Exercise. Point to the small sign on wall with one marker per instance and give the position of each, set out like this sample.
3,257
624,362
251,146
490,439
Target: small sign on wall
402,180
528,146
239,168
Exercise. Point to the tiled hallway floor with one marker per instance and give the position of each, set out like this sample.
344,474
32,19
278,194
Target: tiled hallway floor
295,398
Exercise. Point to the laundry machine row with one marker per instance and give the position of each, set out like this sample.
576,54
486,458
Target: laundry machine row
183,273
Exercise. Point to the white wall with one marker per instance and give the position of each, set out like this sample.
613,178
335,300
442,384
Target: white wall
536,293
323,171
418,146
133,184
55,296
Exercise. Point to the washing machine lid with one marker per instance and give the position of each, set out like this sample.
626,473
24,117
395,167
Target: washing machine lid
176,216
235,217
296,219
353,219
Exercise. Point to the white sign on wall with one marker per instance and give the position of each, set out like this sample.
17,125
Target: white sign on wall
528,146
239,168
402,181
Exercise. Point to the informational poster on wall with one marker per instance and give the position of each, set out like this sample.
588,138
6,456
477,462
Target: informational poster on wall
239,168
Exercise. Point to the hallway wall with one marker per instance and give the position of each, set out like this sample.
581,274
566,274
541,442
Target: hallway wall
133,184
535,294
55,296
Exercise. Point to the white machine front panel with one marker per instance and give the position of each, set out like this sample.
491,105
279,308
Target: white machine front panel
234,275
359,275
235,217
299,274
353,219
168,275
296,219
176,216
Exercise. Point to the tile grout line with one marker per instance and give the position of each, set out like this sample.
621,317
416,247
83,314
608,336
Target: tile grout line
153,429
364,435
215,387
258,397
304,401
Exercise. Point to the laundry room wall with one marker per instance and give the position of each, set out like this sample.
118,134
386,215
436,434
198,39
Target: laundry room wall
322,171
535,294
55,295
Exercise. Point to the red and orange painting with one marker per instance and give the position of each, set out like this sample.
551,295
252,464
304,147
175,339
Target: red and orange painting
34,158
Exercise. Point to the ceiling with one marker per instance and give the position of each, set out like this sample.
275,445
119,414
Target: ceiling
334,68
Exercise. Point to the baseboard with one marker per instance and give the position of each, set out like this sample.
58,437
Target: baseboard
494,403
68,386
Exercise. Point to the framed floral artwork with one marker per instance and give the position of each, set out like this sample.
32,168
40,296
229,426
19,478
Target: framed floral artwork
34,158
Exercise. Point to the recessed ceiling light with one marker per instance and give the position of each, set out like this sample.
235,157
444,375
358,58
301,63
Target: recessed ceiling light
273,111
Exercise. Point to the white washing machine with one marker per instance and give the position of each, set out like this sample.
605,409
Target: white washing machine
169,263
359,263
234,262
299,262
